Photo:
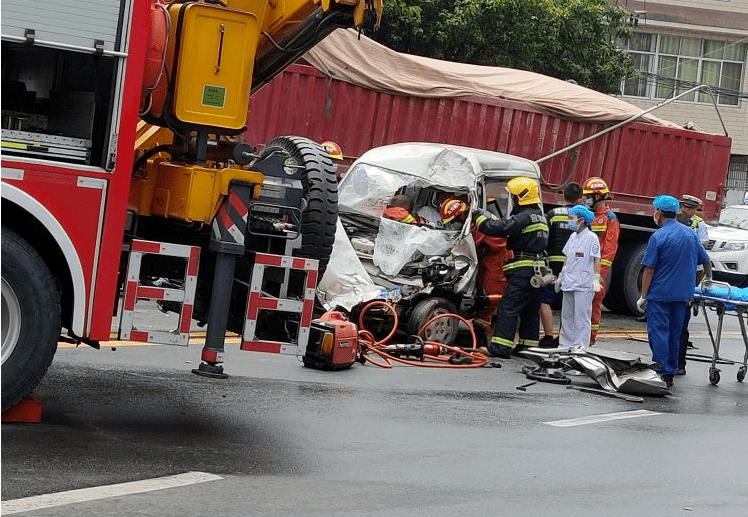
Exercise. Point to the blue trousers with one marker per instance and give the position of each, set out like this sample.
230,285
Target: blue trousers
664,326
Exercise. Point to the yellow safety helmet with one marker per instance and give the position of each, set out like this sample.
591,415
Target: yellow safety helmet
595,185
526,190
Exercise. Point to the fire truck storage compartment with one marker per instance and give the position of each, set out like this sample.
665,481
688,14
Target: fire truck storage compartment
58,85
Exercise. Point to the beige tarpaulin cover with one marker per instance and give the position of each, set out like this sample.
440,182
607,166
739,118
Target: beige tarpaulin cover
367,63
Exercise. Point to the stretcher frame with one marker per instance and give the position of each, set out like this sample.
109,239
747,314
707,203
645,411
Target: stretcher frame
722,306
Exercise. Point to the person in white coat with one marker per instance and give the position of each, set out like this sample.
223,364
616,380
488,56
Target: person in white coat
579,279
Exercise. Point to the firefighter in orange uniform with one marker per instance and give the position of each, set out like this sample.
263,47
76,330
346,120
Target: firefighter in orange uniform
491,252
400,209
607,228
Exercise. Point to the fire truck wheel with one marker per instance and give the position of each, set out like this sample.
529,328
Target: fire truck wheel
30,318
626,280
320,192
443,330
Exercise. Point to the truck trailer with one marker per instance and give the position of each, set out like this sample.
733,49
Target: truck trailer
122,176
360,108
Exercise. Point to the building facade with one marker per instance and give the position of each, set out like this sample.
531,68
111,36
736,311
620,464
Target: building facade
681,44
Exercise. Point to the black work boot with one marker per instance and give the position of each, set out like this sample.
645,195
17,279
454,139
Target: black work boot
547,342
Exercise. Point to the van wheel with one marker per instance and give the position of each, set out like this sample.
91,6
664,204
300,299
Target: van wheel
320,216
626,280
30,318
443,330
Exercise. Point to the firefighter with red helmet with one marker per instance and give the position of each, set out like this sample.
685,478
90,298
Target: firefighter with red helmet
595,193
526,232
453,212
491,252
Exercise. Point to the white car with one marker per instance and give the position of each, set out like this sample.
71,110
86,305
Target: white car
728,246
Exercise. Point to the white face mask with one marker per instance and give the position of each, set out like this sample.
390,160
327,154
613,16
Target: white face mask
588,202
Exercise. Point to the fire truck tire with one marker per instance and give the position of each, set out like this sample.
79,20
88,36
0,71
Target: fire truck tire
444,330
30,318
625,280
320,216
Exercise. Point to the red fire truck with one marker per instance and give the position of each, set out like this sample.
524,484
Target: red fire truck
121,173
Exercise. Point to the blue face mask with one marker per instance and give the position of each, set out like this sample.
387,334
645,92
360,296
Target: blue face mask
573,226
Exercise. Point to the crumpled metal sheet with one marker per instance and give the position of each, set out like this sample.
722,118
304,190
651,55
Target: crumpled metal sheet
639,379
614,371
345,282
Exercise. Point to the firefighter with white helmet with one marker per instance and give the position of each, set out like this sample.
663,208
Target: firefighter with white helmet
526,231
595,192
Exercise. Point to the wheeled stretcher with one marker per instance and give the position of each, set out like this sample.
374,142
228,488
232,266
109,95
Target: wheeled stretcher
722,299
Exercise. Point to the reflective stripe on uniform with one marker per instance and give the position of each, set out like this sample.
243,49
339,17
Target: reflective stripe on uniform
556,258
606,262
528,342
408,219
599,227
480,220
595,327
559,219
518,264
496,340
542,227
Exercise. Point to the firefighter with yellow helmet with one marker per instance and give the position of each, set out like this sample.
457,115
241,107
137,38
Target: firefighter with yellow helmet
526,231
595,193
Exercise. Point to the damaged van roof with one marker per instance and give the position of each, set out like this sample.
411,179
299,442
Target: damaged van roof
447,165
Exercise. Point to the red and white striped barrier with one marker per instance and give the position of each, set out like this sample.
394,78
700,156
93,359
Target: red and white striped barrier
134,292
257,301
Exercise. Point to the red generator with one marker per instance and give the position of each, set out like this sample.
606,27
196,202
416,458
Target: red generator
333,342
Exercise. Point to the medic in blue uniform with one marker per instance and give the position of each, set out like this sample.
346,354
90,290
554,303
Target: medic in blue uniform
669,261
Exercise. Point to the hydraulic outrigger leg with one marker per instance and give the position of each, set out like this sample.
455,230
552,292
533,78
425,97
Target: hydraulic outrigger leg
227,240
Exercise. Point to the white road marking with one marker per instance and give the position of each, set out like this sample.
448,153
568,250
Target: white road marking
594,419
83,495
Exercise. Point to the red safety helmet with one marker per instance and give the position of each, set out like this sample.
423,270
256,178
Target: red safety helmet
595,185
451,208
333,149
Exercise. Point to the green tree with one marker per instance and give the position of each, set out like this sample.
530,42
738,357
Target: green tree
567,39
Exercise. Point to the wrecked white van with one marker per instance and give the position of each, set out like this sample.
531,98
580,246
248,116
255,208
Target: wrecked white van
424,269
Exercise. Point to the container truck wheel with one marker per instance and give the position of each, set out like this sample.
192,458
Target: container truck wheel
320,216
30,318
626,280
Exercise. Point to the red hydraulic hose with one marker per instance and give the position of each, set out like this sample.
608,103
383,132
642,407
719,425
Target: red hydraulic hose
444,355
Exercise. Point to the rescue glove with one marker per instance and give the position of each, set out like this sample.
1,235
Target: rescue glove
557,283
597,283
480,216
641,304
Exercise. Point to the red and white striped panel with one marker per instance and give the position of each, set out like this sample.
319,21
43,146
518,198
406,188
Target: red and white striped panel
256,302
134,292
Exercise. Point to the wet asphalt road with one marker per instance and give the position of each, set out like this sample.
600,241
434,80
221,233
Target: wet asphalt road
291,441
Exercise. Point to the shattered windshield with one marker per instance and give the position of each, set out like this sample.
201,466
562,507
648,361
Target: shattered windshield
368,189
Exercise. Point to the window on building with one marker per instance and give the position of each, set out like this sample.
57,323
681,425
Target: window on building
670,65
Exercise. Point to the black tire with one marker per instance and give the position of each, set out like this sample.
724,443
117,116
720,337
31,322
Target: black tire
444,330
320,183
30,318
626,279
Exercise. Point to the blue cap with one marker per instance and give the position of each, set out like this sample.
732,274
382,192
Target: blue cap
583,212
666,203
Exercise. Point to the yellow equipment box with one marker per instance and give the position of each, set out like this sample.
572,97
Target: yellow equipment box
216,55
